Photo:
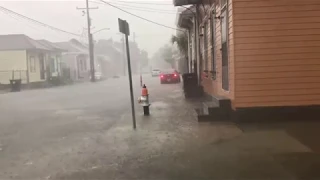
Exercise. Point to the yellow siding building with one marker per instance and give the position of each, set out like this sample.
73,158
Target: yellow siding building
22,58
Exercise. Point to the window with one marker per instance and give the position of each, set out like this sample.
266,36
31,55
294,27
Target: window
58,63
32,64
205,45
213,43
84,64
223,3
225,50
53,65
81,65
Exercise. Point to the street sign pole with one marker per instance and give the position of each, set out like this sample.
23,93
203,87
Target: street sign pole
130,81
124,28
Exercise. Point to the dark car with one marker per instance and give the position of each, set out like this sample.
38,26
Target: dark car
169,76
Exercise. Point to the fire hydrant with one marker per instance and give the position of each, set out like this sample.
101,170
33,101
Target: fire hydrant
144,100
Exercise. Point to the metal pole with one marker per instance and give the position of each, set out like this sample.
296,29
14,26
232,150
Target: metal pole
91,56
130,82
123,55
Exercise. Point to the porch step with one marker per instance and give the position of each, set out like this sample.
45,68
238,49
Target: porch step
203,115
219,114
210,104
223,102
216,108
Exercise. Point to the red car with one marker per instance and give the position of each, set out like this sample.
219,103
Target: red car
169,76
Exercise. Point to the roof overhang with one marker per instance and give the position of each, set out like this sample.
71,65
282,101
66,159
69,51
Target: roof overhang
185,2
185,19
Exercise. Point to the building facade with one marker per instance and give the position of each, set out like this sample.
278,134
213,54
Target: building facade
22,58
256,53
75,60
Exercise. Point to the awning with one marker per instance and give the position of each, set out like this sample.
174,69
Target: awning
185,2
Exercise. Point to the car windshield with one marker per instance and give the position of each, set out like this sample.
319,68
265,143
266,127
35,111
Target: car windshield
170,71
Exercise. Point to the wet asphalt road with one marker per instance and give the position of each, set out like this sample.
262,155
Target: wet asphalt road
84,132
53,133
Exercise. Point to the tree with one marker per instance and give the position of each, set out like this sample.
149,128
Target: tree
166,52
182,43
144,58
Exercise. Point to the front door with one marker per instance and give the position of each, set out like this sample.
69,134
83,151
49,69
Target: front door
224,49
42,66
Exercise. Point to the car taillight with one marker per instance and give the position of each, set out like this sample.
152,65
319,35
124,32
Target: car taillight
175,75
161,76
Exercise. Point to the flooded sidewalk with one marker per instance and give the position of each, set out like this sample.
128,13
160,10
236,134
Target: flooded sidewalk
171,144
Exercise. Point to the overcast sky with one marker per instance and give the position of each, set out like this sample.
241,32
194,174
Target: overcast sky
64,15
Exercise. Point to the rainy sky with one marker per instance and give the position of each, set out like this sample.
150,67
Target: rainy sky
64,15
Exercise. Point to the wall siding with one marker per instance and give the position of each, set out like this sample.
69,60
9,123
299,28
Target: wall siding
34,76
13,60
214,86
277,52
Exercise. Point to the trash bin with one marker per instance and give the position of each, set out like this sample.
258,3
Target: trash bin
190,85
15,85
189,81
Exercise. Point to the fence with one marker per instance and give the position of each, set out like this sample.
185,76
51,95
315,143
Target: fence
6,76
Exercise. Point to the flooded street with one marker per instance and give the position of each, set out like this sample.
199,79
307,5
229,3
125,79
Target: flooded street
87,127
85,131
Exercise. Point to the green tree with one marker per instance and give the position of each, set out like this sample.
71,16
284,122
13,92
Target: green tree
182,43
144,58
166,53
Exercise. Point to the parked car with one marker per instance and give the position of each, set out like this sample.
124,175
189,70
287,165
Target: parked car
155,72
169,76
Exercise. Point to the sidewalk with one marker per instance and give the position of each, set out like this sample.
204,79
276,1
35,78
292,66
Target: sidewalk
171,144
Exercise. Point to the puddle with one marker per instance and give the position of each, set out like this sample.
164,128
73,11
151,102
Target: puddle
71,112
159,104
88,117
173,96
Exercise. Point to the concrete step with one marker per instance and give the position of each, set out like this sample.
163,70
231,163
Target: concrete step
219,114
203,115
223,102
210,104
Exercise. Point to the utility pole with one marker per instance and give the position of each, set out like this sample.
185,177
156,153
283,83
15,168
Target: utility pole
90,39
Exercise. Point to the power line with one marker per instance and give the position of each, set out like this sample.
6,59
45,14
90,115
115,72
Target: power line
141,9
37,22
146,3
15,18
141,17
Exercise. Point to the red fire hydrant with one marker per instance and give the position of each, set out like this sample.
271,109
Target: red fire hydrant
144,100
